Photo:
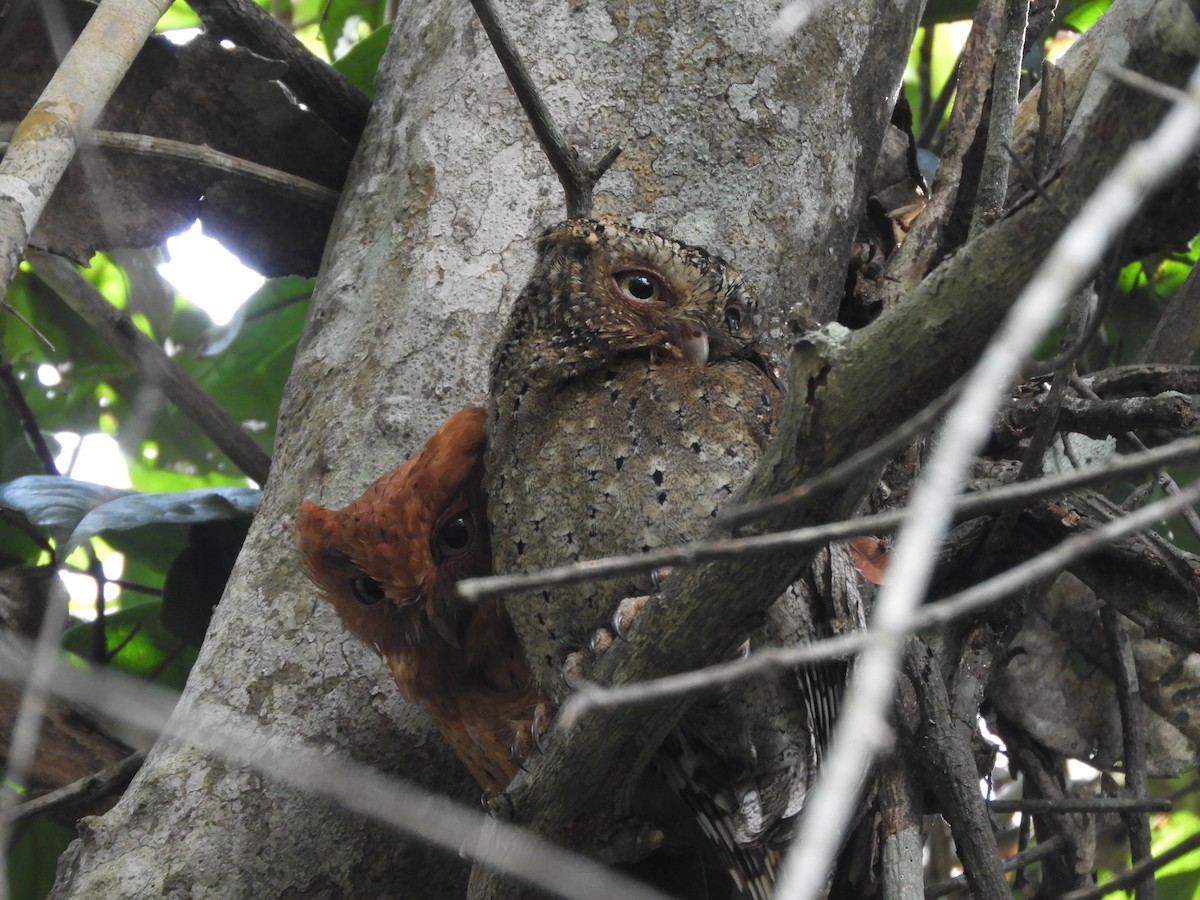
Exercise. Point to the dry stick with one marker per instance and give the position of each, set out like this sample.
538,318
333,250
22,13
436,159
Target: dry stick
43,146
107,781
1134,874
590,696
929,124
862,731
1133,722
329,93
578,180
949,767
353,785
116,328
966,506
158,148
1010,864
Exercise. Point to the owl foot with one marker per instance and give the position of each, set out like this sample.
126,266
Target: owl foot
529,737
602,639
627,610
577,662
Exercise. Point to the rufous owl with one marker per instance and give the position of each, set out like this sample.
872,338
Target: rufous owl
389,562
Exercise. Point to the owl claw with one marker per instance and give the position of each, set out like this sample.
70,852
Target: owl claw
626,612
542,714
574,665
599,643
660,575
530,736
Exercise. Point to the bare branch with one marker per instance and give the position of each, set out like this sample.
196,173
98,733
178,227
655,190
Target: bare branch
1136,873
1020,860
1080,804
315,195
99,785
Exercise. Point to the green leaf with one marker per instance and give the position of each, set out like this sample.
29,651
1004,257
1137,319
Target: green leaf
361,63
347,22
1082,14
55,503
33,858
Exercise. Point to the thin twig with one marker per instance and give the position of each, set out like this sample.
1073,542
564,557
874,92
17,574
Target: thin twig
88,789
1125,680
1136,873
872,455
315,195
1010,863
577,179
29,424
1150,86
1080,804
966,506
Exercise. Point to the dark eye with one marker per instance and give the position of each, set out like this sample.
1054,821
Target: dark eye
366,589
454,537
639,287
733,318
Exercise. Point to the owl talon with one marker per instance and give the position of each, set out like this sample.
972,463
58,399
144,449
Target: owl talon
626,613
529,736
599,643
659,575
574,665
543,713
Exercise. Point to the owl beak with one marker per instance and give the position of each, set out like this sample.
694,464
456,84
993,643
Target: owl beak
691,339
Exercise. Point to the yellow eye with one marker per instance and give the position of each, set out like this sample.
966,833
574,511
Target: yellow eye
639,287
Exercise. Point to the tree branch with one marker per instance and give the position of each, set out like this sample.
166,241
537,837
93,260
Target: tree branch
316,84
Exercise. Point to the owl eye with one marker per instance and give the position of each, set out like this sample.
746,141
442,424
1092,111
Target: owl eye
366,589
639,287
454,538
733,318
